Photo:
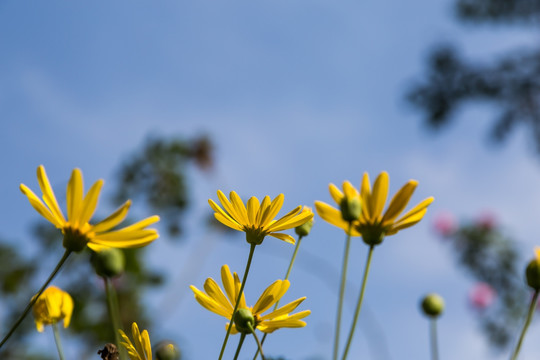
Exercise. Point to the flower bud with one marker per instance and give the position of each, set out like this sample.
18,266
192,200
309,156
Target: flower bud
305,228
433,305
167,350
351,208
532,274
242,318
108,262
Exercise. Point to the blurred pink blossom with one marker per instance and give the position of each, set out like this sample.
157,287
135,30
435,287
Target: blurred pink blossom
481,296
445,224
486,220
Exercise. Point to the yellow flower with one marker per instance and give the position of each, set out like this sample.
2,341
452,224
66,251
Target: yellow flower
257,219
53,306
372,224
77,230
142,350
214,299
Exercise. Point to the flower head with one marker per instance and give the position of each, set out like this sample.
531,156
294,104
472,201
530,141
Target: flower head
305,228
53,306
215,300
257,219
77,230
372,224
141,350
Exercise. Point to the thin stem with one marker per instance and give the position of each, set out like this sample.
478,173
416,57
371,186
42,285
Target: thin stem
240,343
248,265
114,314
57,341
359,304
342,291
259,345
35,298
530,314
433,337
286,278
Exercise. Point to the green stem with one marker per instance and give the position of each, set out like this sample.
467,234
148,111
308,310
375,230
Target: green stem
433,336
248,265
35,298
286,278
530,314
342,291
240,343
114,314
57,341
259,345
359,304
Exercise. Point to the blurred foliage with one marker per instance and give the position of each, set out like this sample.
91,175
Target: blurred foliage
511,82
490,257
157,173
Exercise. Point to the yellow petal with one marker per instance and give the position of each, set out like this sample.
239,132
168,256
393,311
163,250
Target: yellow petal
333,217
285,237
227,206
336,194
378,196
399,202
252,209
293,222
90,202
239,207
349,190
281,224
228,283
39,206
74,196
48,194
114,219
365,194
407,222
267,298
214,291
140,225
210,304
264,205
220,214
272,210
418,208
284,309
228,222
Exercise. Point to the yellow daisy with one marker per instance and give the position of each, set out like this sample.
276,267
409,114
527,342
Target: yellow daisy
142,350
257,219
53,306
215,300
372,224
77,230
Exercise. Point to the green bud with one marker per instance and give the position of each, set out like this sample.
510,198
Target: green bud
242,318
108,262
532,274
305,228
351,208
433,305
167,350
74,240
372,235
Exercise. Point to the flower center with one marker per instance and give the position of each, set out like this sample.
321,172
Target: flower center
74,238
254,235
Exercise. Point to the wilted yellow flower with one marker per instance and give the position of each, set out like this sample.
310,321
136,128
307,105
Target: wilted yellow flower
372,224
214,299
142,350
257,220
53,306
77,230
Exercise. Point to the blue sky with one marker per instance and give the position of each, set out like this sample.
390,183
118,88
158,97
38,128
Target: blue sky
295,95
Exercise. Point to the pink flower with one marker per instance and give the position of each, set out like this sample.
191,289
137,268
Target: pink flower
445,224
486,220
481,296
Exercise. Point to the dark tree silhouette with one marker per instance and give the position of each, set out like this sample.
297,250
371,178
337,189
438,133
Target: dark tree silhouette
511,82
